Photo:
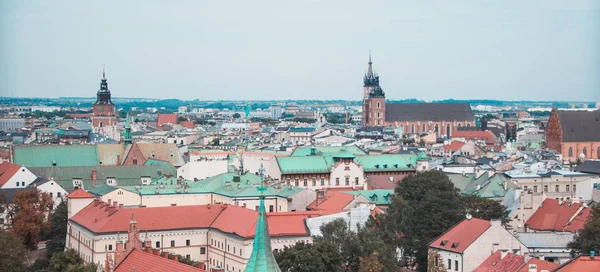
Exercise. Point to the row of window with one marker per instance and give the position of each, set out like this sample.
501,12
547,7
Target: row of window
219,245
568,188
215,262
585,152
322,182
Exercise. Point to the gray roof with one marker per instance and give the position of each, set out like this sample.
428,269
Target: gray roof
9,194
590,167
428,112
545,239
580,126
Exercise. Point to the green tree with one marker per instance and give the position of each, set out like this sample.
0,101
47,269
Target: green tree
58,230
426,204
29,216
588,238
236,115
422,142
370,263
315,257
69,261
12,255
483,208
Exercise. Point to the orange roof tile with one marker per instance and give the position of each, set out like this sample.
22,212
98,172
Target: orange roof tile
138,260
541,265
495,263
461,236
335,200
79,193
7,171
166,119
485,135
554,216
454,145
187,124
581,264
99,217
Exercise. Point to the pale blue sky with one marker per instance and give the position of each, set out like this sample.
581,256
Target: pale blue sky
511,50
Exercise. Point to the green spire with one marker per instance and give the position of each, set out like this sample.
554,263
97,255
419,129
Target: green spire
127,136
262,259
422,157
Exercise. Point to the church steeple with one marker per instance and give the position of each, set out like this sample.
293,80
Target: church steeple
103,95
127,135
262,259
371,79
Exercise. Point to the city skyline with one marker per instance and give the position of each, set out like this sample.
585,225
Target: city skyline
542,51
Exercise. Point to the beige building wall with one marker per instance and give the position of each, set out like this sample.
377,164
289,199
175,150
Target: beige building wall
494,238
347,174
164,200
555,186
122,196
77,204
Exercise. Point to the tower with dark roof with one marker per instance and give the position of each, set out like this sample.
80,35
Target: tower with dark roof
373,113
127,135
262,259
104,120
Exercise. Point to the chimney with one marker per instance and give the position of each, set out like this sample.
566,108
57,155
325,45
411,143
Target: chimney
94,175
165,255
118,159
115,204
532,268
592,254
109,202
175,258
108,265
202,266
148,244
119,252
121,206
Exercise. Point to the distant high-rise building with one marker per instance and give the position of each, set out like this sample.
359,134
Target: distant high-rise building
104,120
276,111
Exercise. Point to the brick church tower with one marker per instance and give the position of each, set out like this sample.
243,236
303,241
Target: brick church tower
373,110
104,120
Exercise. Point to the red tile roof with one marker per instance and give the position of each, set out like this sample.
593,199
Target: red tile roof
166,119
484,135
581,264
384,181
99,217
187,124
552,216
138,260
541,265
335,200
454,145
494,263
461,236
79,193
7,170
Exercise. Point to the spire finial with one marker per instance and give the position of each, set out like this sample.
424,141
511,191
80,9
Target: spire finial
104,71
370,62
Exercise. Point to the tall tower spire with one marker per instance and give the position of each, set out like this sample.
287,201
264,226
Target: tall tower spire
262,259
370,70
127,135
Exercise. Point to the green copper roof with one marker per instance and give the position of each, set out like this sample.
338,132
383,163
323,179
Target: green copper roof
422,157
327,150
56,155
377,197
262,259
308,164
102,190
387,162
486,186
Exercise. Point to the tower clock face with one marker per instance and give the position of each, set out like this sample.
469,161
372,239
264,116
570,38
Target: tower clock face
101,108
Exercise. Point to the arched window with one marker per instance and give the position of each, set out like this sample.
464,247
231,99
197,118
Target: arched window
448,130
378,105
570,151
437,128
101,124
459,125
412,128
423,130
468,125
585,152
